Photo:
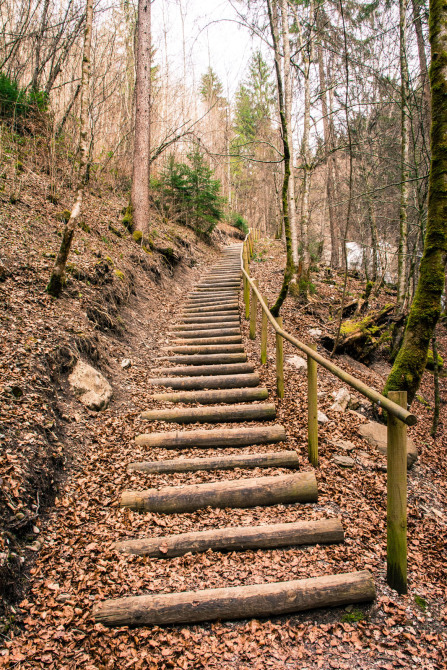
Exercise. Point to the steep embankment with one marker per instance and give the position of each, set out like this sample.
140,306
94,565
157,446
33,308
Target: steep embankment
116,287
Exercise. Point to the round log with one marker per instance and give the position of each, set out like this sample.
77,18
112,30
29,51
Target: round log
209,359
236,538
271,459
217,414
203,349
200,370
208,382
224,339
241,493
214,332
205,326
210,397
216,437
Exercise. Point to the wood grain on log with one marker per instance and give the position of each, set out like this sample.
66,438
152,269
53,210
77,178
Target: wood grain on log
238,602
217,414
241,493
210,397
216,437
236,538
201,370
271,459
225,339
203,349
208,382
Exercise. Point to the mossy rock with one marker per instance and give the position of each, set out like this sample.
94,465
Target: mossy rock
63,216
431,360
84,226
119,274
137,236
127,219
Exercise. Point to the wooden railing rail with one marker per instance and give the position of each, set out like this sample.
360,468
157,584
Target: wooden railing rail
398,420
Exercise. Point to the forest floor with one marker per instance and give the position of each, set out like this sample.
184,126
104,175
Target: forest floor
75,564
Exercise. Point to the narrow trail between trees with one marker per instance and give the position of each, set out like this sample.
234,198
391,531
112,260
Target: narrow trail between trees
207,369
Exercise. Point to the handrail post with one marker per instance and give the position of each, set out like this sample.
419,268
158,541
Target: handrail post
246,288
279,361
396,575
312,409
253,311
264,334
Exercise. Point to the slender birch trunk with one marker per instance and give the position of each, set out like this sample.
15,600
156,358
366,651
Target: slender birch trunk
290,265
288,114
328,144
57,278
422,56
404,172
141,154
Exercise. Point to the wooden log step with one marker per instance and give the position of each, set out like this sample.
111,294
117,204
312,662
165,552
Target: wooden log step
237,602
194,313
211,397
215,437
230,339
209,359
205,349
212,289
211,285
210,319
203,303
209,332
239,493
208,381
271,459
237,538
199,298
202,370
205,326
218,414
224,307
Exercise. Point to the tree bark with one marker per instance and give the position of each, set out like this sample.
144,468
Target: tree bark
404,172
213,438
210,397
57,278
425,309
141,155
272,459
238,602
236,538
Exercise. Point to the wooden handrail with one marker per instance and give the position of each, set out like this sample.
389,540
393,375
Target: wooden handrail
375,397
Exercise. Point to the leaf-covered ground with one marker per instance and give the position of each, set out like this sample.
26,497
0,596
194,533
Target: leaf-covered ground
77,566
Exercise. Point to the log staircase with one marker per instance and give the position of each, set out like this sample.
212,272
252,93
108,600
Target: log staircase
207,366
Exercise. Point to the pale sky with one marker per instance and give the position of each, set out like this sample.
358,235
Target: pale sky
212,35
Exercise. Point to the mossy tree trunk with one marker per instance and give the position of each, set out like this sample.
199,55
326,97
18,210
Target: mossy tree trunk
57,278
426,306
405,174
290,265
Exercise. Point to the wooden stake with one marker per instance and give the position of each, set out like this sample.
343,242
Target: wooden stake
312,409
397,498
279,361
264,334
246,289
253,311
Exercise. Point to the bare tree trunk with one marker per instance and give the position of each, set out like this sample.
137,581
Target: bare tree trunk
328,144
43,23
57,278
403,221
290,265
288,115
422,57
141,159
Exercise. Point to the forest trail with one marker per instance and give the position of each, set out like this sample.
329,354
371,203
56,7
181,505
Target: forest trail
207,364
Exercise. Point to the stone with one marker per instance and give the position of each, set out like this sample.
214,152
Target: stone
341,397
315,332
354,403
345,444
35,546
126,363
322,418
90,386
344,461
63,597
376,435
298,362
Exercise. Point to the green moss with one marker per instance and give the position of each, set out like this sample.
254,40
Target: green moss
421,603
431,360
353,616
116,232
84,226
119,274
109,260
137,235
63,216
127,219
